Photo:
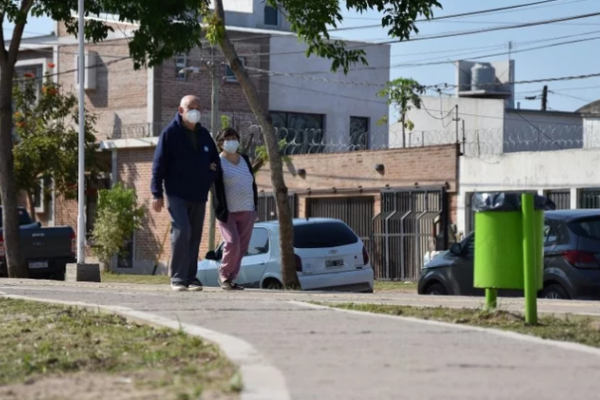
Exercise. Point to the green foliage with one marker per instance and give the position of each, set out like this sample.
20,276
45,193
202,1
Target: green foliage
165,27
46,141
225,122
310,19
404,94
119,216
263,157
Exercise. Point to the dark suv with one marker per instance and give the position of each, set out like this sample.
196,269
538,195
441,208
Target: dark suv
571,261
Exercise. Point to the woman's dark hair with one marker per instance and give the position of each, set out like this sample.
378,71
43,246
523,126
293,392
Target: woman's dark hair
227,133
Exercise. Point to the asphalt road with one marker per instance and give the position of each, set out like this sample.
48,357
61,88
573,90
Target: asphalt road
329,354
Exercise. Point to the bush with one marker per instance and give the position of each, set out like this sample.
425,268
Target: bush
119,216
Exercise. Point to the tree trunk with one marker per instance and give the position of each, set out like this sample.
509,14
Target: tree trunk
284,214
8,190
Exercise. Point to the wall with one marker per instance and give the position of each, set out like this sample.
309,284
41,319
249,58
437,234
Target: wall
533,130
249,14
565,169
120,98
403,167
434,124
591,132
232,99
337,101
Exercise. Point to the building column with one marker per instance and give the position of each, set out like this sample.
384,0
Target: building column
114,175
574,198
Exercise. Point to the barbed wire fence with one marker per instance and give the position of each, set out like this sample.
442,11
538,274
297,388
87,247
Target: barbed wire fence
473,143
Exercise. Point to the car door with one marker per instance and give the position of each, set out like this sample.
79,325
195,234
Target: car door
463,268
208,271
255,261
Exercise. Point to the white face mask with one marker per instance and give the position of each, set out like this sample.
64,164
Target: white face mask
231,146
193,116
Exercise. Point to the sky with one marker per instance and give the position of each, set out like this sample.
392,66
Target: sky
560,61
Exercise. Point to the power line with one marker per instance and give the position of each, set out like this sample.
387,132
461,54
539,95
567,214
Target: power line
479,12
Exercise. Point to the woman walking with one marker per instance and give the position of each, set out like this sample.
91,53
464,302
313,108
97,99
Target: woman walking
234,198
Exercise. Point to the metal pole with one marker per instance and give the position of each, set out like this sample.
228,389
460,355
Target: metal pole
81,149
214,128
529,258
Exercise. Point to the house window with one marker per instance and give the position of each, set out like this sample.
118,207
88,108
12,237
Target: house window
229,75
359,133
36,70
271,16
303,132
180,63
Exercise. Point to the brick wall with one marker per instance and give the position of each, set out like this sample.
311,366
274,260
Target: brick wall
232,100
427,166
120,97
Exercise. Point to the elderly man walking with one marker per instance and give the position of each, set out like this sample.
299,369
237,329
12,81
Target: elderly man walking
185,162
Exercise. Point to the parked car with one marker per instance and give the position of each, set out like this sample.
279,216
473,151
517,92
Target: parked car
571,261
47,250
329,256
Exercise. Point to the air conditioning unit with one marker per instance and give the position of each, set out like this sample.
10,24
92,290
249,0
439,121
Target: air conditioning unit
91,70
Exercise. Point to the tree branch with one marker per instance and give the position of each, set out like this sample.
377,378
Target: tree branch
17,35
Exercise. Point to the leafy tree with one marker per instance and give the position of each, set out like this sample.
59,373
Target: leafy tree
170,27
44,126
404,94
165,29
310,20
119,216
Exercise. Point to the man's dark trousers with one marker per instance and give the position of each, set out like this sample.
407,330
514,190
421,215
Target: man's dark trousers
187,223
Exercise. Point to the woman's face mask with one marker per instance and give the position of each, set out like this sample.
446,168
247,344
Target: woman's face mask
231,146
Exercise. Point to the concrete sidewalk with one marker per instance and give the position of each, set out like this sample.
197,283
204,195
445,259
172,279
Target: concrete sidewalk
329,354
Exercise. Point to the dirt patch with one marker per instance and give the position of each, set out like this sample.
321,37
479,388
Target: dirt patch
94,387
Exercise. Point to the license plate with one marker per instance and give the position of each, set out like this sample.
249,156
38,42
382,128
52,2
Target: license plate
38,265
334,263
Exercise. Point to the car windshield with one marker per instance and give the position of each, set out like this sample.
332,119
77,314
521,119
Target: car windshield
24,218
587,227
323,235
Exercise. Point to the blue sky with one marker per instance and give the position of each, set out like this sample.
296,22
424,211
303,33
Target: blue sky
567,60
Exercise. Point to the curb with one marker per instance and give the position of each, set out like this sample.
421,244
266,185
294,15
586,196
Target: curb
261,380
507,334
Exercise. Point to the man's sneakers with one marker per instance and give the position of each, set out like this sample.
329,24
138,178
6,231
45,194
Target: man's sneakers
179,286
194,286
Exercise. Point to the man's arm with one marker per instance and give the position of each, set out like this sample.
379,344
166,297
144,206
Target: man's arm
159,167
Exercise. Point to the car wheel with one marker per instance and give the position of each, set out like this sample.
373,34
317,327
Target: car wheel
272,284
555,291
437,289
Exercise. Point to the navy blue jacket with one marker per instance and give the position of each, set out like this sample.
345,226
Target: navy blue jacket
184,171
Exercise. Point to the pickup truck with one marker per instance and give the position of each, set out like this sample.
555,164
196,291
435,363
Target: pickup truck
47,250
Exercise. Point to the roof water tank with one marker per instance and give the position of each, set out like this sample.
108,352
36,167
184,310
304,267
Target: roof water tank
483,77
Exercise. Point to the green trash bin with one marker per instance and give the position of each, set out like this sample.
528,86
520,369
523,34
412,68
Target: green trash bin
499,240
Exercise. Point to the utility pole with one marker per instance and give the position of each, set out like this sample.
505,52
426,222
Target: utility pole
214,129
457,120
545,98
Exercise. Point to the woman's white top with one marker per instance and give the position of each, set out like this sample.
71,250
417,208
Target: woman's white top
238,185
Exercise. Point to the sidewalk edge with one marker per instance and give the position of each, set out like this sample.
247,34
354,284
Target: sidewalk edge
261,380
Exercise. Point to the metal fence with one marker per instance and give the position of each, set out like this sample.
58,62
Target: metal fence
561,198
356,211
589,198
404,231
267,206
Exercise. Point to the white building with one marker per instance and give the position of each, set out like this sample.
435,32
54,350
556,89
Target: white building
482,115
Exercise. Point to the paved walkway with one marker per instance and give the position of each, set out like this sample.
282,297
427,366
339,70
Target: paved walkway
329,354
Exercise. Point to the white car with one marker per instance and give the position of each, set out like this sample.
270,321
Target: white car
329,256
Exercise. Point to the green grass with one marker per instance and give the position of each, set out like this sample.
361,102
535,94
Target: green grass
394,287
577,329
41,342
135,279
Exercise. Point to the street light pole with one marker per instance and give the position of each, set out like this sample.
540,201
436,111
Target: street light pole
81,148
